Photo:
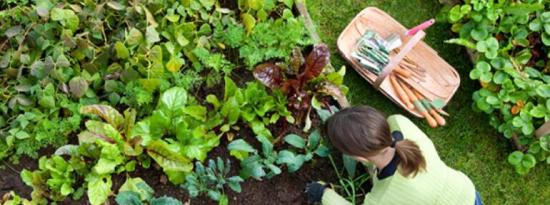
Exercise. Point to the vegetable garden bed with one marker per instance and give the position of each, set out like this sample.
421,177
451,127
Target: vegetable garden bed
128,101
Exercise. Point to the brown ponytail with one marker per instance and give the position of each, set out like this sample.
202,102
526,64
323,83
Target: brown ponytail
410,156
363,131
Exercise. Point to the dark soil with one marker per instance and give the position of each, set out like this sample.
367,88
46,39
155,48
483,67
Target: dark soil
286,188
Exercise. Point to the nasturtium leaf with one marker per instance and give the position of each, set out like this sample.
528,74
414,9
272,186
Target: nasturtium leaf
524,56
483,66
545,142
479,33
515,158
295,140
528,129
545,39
538,111
499,77
535,25
543,91
528,161
492,100
546,27
455,14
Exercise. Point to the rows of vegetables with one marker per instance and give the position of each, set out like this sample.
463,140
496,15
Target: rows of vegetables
509,42
157,84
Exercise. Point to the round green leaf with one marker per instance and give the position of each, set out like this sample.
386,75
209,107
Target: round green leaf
483,66
535,25
493,100
528,129
545,143
543,91
546,39
528,161
481,46
515,157
486,77
455,14
479,33
538,111
475,74
499,77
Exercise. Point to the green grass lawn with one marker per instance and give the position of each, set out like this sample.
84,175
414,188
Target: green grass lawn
468,143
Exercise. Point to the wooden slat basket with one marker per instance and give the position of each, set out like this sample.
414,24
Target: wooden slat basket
441,80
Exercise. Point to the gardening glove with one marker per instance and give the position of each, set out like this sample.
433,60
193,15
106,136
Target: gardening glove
314,192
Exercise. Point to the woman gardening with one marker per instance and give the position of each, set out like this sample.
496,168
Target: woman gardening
408,168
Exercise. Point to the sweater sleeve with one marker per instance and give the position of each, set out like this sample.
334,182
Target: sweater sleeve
330,197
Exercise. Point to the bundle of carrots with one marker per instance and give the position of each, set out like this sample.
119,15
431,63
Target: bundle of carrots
412,98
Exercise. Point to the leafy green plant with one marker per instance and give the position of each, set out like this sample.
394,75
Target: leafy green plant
135,191
509,41
302,81
264,41
211,180
252,104
191,139
312,147
54,179
254,163
11,198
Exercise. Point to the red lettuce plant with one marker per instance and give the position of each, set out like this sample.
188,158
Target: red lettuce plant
295,80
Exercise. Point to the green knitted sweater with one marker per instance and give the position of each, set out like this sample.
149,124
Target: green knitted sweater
438,184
